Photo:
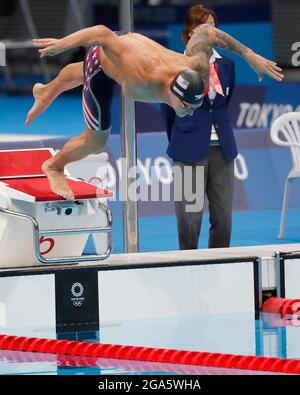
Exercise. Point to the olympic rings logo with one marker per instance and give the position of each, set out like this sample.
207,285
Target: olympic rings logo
77,290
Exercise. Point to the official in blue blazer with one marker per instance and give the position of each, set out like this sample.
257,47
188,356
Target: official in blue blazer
205,139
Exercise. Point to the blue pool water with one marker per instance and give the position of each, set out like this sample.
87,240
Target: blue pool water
268,335
245,231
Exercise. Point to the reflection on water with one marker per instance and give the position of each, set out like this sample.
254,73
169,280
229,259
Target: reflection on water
235,334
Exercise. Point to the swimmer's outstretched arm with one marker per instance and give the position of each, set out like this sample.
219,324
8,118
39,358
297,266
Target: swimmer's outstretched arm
206,36
101,35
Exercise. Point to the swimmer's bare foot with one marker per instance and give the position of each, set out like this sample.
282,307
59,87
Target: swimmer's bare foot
57,181
41,103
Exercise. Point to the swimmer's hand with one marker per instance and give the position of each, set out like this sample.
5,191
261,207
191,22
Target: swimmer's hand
263,66
49,46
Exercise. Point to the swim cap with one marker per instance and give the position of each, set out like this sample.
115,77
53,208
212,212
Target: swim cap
188,86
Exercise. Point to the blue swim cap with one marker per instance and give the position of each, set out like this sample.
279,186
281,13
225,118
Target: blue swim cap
188,86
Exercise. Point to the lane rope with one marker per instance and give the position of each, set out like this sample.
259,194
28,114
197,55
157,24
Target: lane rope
137,353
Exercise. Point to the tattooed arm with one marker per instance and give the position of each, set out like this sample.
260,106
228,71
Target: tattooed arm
206,36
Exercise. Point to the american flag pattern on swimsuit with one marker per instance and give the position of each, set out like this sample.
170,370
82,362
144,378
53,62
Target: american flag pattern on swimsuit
90,106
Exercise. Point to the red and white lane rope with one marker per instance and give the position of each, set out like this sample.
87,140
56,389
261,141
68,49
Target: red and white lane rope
133,353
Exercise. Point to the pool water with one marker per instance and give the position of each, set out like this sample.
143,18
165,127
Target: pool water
266,335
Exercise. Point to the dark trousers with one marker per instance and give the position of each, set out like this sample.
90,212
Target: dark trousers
218,188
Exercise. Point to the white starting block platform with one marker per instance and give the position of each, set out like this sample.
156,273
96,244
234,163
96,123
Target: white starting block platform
36,225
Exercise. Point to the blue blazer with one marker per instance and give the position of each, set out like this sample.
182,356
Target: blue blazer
189,137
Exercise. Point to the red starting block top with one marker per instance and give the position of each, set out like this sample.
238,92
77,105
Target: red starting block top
39,188
23,163
21,170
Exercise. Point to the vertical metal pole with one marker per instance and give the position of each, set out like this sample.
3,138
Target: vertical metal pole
128,135
33,33
77,14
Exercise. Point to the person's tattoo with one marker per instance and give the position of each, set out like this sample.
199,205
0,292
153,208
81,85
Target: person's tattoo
206,37
199,43
225,41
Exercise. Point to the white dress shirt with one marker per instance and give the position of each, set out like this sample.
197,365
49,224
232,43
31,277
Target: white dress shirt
212,95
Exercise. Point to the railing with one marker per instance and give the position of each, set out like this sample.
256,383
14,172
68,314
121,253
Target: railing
37,233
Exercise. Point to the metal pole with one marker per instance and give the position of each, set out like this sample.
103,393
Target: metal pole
33,33
77,14
128,133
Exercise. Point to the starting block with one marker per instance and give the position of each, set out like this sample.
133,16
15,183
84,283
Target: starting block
36,225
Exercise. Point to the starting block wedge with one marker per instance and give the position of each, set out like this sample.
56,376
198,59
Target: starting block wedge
39,227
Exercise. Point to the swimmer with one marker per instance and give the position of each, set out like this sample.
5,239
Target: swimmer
145,70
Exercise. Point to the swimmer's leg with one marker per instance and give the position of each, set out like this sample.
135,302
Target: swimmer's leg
89,142
71,76
97,95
